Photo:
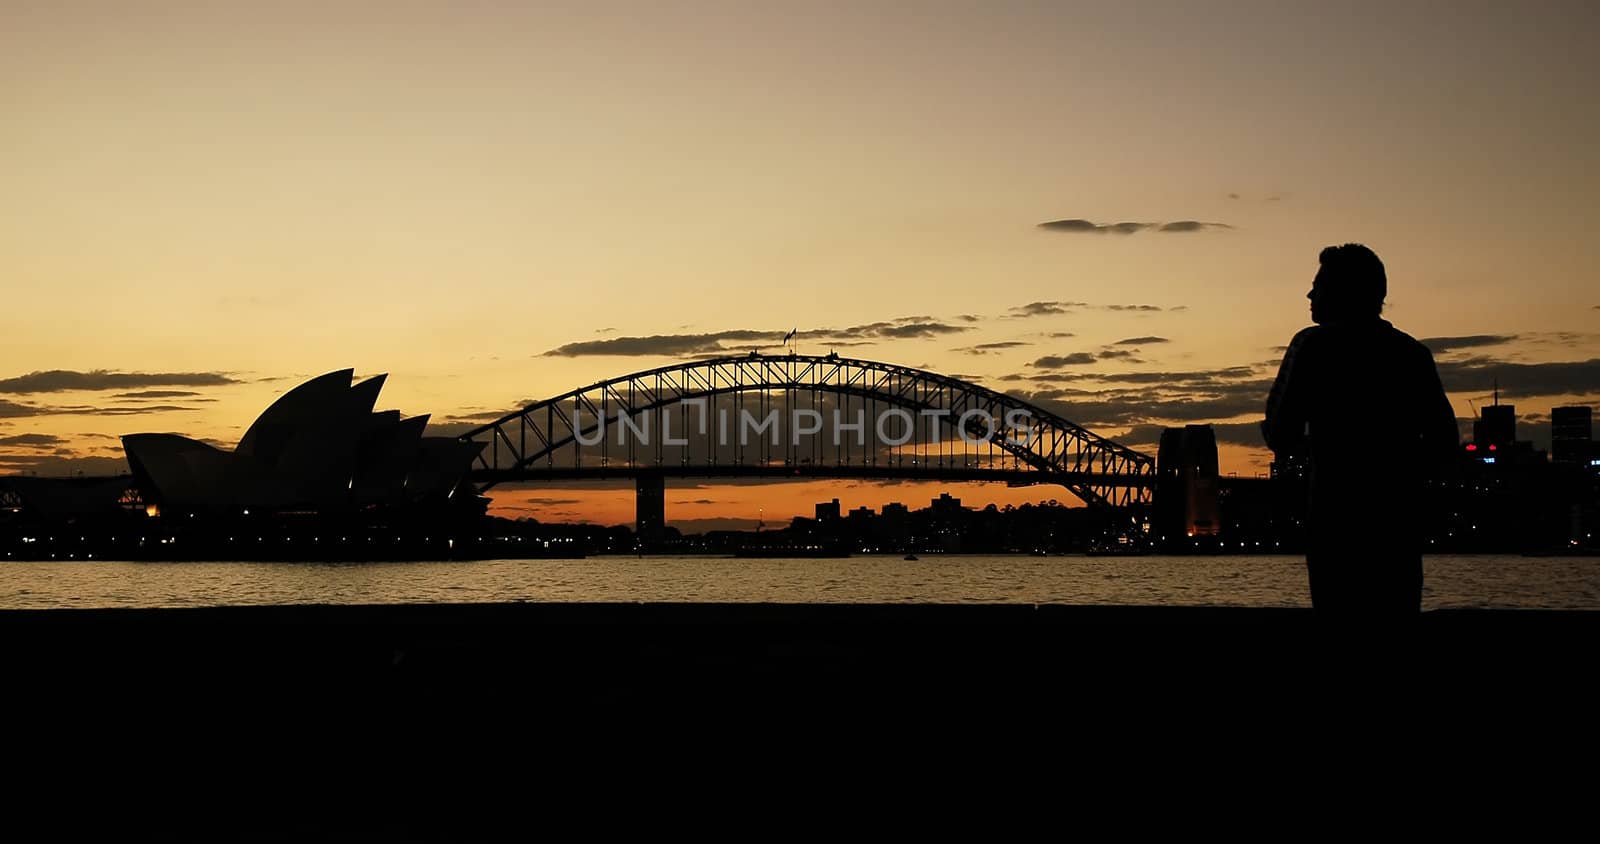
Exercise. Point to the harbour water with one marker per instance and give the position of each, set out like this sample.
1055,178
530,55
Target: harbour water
1483,581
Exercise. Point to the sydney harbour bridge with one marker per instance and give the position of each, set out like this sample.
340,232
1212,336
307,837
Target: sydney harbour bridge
807,416
749,417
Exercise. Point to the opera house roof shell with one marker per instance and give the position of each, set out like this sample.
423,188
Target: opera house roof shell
319,447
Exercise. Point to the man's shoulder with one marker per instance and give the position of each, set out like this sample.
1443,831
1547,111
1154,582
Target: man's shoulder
1402,338
1306,336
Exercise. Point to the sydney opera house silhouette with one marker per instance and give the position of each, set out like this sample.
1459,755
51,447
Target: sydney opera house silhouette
319,449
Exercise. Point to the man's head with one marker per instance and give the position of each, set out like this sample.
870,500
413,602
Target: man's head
1350,286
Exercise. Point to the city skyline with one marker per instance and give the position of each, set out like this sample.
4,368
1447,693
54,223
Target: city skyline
1114,213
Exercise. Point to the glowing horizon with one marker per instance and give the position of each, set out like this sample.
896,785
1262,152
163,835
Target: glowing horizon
1112,211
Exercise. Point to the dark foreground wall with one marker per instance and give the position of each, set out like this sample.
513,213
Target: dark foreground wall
496,722
580,650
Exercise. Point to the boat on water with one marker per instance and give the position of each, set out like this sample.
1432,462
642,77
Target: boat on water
911,557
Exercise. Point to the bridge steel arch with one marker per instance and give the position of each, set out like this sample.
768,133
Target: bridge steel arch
543,439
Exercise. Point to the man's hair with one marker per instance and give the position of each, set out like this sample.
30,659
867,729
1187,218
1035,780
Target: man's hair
1355,275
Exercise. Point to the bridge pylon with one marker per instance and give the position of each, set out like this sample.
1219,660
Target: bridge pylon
650,510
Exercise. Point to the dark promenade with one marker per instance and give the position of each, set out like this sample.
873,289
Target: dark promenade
448,722
597,650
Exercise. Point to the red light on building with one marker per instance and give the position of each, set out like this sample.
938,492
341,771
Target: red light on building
1492,447
1472,446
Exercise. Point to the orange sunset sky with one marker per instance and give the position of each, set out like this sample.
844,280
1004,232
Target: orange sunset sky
205,203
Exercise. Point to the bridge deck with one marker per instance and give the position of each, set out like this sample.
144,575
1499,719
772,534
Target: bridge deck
1015,477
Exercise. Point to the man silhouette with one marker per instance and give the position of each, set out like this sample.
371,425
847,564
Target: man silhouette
1362,400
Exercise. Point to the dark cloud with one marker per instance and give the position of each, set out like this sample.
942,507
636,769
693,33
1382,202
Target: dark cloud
1076,226
1061,334
1129,408
1120,354
32,440
1439,345
15,410
1141,341
1192,379
1181,226
84,410
156,394
1048,376
968,317
607,330
450,429
12,410
1234,433
478,418
1521,380
985,348
61,380
1088,227
901,331
1155,399
664,344
1033,309
1561,338
1233,196
735,341
63,465
1147,401
1054,361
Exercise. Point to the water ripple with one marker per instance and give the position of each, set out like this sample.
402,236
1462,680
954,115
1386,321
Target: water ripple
1452,581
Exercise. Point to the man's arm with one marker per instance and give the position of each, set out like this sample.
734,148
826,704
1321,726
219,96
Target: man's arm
1285,426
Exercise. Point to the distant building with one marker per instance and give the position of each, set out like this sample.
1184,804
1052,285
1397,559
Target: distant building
1186,483
945,505
894,524
1494,439
1496,426
1572,435
828,511
1289,467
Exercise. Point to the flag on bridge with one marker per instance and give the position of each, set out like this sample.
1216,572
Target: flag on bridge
790,335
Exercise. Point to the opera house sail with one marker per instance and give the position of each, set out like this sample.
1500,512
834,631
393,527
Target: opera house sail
319,476
319,449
